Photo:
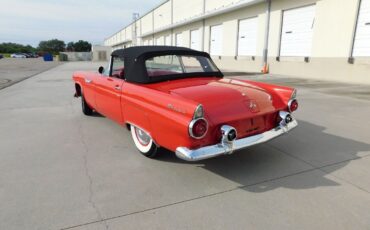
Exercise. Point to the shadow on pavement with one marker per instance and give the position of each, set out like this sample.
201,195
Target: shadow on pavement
297,152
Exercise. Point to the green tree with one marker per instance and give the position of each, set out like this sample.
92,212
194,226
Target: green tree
53,46
82,46
70,46
16,48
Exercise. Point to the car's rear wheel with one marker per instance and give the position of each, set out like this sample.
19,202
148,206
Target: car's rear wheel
143,142
85,107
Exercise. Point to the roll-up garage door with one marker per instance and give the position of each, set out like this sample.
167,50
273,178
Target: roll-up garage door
362,40
247,39
216,40
297,31
195,39
178,39
167,40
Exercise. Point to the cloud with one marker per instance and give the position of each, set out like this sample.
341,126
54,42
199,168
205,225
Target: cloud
29,21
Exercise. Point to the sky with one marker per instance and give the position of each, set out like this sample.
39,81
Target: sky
31,21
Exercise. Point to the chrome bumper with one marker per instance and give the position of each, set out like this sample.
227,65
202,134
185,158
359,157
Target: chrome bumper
228,147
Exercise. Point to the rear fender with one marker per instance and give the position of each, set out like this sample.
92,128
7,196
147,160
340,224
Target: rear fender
281,94
165,117
135,116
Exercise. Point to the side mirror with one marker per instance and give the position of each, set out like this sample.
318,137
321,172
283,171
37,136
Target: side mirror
101,69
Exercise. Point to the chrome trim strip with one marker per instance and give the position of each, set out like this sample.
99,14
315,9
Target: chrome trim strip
222,149
200,106
294,94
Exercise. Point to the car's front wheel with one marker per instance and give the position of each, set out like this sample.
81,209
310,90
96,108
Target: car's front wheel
143,142
85,107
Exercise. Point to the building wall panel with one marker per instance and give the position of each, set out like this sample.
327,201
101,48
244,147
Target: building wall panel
147,23
129,32
162,15
185,9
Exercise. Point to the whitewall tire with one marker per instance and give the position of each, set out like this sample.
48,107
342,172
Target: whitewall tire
143,142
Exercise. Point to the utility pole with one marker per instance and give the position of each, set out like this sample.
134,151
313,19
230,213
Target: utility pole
267,28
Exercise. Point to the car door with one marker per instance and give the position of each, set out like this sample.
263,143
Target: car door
108,91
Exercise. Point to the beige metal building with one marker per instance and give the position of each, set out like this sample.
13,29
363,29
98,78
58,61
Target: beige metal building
323,39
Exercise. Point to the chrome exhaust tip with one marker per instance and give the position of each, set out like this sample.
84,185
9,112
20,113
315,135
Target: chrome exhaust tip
286,118
229,133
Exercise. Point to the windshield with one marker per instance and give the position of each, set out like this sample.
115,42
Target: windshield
178,64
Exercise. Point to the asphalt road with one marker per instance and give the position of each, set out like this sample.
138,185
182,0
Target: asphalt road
62,170
13,70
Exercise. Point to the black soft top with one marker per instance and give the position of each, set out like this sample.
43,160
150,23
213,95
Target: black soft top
135,57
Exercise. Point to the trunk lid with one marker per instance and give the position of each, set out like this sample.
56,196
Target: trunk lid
227,101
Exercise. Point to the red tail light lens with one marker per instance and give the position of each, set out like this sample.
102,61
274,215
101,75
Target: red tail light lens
293,105
198,128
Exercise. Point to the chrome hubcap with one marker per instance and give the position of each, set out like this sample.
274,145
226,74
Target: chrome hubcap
142,136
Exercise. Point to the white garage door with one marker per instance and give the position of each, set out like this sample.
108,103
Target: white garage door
362,40
178,39
167,40
195,39
216,40
247,39
296,37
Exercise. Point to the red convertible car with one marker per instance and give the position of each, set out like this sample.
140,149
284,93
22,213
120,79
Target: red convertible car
176,98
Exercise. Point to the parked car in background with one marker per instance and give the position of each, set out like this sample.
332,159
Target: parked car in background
176,98
28,55
18,55
1,56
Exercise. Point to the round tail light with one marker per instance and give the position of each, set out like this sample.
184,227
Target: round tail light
293,105
198,128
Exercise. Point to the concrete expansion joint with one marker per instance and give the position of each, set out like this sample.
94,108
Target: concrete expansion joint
91,193
89,178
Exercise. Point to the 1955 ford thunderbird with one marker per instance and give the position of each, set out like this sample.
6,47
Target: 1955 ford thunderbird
176,98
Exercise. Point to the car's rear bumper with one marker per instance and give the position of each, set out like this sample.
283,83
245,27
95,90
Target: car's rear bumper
228,147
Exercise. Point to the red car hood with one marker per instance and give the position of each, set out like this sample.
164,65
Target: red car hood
224,100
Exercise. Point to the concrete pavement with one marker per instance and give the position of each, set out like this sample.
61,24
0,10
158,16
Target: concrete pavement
62,170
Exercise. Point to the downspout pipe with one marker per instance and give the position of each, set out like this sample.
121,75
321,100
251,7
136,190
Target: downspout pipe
172,37
267,33
203,25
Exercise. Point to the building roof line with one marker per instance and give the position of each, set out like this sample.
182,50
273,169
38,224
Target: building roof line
148,12
207,14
